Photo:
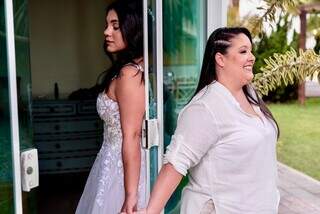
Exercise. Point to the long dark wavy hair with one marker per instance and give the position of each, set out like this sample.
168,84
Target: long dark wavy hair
219,42
131,27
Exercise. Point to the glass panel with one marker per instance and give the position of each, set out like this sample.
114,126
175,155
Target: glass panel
21,24
183,39
152,84
6,179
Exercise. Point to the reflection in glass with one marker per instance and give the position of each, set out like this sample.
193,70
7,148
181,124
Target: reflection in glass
184,37
21,23
23,69
23,75
6,185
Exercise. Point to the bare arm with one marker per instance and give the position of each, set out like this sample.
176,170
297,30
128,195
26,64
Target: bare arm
193,138
130,96
166,183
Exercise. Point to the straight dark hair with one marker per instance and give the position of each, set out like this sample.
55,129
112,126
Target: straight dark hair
131,27
219,42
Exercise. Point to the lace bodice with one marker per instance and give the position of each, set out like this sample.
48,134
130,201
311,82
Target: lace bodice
104,191
108,111
108,165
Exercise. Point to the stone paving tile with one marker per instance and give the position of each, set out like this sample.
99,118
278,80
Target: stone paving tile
283,209
299,193
298,205
314,189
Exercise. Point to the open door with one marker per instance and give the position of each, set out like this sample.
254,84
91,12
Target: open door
152,141
175,32
16,128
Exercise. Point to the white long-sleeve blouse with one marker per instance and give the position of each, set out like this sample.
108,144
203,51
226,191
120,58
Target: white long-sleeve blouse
230,155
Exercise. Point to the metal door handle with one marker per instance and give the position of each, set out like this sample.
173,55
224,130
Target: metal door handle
29,169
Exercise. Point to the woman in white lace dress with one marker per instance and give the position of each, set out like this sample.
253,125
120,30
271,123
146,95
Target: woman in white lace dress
117,179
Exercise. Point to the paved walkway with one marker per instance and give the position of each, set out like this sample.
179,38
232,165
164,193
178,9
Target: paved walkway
300,194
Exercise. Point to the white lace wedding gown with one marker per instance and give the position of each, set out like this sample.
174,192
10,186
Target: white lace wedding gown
104,190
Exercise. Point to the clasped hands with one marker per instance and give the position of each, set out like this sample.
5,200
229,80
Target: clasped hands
142,211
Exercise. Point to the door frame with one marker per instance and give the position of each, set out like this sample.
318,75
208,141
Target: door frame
158,58
14,119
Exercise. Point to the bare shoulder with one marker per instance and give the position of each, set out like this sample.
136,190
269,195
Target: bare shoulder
130,80
129,85
130,71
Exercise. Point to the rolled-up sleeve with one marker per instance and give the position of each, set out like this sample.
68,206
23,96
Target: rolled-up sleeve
195,134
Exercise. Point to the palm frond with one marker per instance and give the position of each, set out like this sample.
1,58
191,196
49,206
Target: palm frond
285,69
255,23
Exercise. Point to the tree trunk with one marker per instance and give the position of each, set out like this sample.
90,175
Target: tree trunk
302,45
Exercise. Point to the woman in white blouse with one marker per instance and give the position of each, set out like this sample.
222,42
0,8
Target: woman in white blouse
225,138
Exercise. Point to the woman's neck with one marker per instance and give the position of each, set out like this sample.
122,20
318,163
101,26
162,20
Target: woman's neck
235,89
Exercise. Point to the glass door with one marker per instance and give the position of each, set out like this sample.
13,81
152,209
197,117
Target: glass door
184,36
177,33
10,201
15,105
153,82
6,159
173,48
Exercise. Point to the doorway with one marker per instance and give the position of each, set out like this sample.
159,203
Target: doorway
66,59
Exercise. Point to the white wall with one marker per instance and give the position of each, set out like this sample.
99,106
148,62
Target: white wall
66,38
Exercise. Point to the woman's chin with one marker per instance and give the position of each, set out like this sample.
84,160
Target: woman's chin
248,78
110,49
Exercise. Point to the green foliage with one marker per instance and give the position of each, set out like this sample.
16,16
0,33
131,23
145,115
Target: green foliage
255,23
276,42
313,22
175,14
285,69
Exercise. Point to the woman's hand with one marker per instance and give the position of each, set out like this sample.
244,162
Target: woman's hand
142,211
130,204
